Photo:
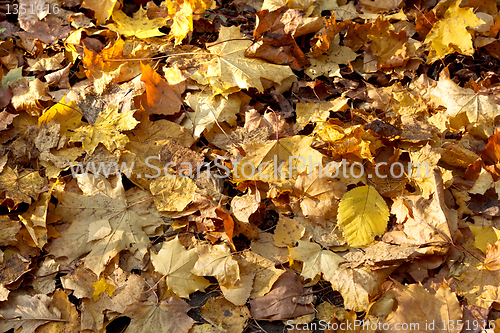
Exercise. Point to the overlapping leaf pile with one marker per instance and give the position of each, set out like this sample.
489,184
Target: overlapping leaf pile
212,137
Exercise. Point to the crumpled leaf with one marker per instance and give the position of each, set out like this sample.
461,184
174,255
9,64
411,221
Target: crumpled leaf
285,300
175,262
363,214
273,38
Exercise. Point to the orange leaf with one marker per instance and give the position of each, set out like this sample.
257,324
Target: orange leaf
160,98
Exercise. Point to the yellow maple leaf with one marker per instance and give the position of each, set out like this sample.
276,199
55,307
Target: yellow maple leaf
106,130
139,26
344,140
230,69
182,12
464,107
316,260
363,214
102,286
175,262
450,34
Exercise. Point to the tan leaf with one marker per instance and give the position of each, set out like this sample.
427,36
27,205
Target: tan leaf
170,315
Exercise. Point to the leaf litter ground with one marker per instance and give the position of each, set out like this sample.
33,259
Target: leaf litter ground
367,90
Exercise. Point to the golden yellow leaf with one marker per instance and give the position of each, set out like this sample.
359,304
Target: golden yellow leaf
182,12
344,140
484,235
363,214
480,286
175,262
230,70
139,26
450,34
106,130
102,286
316,260
328,64
466,108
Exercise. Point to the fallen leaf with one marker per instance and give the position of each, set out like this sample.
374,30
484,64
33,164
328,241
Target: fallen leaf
28,312
181,12
363,214
230,70
420,308
273,38
112,219
20,186
316,260
139,25
231,318
217,261
102,9
450,34
160,97
170,315
175,262
106,130
358,286
285,300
